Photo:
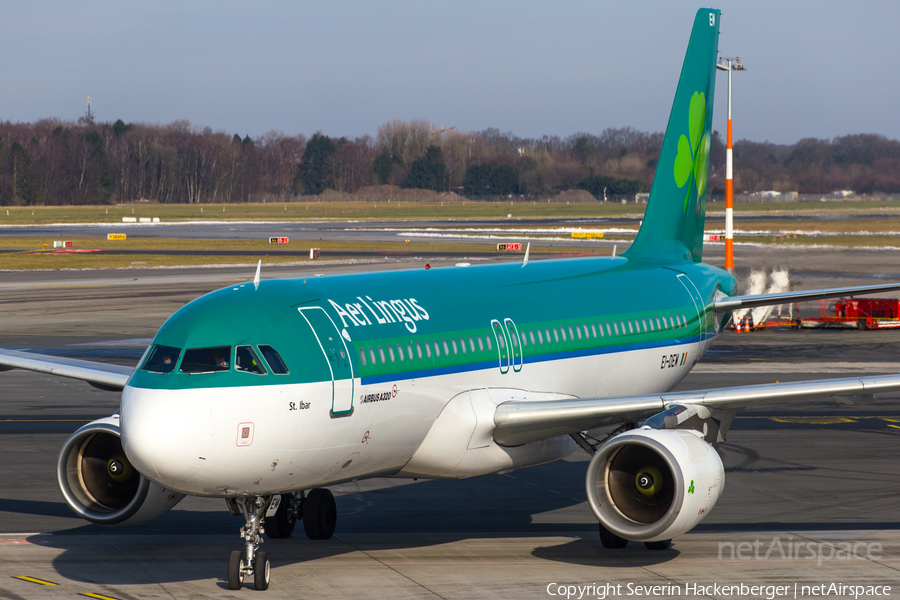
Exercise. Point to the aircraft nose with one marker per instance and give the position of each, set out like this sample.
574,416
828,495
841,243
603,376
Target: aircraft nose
165,433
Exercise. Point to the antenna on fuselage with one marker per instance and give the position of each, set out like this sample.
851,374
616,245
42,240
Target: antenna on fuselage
527,248
256,277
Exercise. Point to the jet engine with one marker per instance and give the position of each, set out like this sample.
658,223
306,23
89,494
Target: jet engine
649,484
101,485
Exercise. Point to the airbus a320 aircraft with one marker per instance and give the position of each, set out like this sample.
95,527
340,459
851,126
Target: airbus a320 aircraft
266,392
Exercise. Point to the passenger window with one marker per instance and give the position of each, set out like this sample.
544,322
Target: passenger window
471,344
206,360
381,355
577,330
276,364
524,339
453,345
245,360
616,327
391,354
658,325
515,338
487,339
556,335
683,320
502,342
372,354
409,350
427,349
446,347
462,345
608,330
587,334
437,349
562,332
540,338
419,349
162,359
362,357
531,335
480,344
400,352
572,333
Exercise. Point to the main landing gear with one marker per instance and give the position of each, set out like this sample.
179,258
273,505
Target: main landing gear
612,541
317,509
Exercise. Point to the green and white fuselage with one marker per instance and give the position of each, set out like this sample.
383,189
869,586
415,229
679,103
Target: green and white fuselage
374,360
271,387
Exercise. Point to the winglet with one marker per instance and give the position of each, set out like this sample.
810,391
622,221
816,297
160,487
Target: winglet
256,277
527,249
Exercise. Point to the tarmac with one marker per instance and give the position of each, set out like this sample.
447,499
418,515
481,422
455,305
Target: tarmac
810,496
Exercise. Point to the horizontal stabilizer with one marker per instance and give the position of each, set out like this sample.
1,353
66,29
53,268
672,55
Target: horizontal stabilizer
522,422
735,302
102,375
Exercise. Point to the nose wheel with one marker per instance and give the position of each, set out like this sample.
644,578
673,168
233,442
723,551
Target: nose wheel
250,562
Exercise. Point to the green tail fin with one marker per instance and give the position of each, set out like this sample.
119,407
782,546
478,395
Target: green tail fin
676,210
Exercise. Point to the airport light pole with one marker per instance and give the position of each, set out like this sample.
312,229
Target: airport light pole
729,64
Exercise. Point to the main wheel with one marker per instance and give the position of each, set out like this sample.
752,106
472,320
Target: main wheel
261,570
281,524
235,577
611,540
660,545
319,514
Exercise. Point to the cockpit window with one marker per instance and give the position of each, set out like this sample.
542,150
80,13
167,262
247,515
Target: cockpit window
206,360
245,360
162,359
274,359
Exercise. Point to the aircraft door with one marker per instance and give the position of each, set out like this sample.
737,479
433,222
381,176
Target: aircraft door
695,298
516,349
503,345
337,354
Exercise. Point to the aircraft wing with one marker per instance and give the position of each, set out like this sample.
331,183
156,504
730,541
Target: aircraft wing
727,303
519,422
101,375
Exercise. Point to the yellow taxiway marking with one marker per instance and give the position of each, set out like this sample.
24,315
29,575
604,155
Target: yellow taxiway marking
814,420
33,580
98,596
894,426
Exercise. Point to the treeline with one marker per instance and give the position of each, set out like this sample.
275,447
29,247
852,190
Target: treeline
55,162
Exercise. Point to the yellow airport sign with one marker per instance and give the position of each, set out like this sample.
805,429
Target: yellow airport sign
587,235
115,236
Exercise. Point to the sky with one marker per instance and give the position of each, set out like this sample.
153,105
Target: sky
814,68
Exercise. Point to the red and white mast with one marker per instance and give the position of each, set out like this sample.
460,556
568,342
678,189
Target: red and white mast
729,64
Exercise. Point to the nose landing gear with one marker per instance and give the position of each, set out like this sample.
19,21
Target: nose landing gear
250,562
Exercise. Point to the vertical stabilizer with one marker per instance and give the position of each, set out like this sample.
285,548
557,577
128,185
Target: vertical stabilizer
676,210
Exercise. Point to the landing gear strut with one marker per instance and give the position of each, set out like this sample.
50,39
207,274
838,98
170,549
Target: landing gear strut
250,562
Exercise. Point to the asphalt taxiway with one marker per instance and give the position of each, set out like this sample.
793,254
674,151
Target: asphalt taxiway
813,473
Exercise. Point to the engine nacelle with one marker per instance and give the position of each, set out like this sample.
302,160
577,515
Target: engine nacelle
648,484
101,485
